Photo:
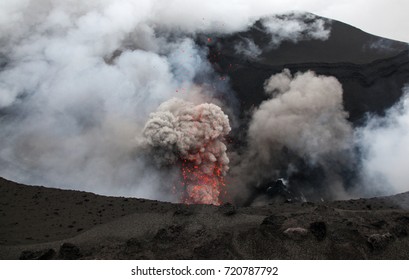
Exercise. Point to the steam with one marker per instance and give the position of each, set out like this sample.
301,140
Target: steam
77,86
292,27
194,134
383,142
303,122
295,27
248,48
75,119
78,81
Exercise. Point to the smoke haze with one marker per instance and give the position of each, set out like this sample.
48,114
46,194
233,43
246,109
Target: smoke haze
78,85
295,27
291,27
101,95
79,80
383,142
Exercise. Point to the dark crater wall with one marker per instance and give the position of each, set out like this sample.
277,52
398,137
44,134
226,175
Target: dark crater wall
372,70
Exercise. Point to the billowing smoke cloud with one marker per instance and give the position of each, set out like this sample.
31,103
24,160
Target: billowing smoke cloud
195,135
77,84
384,146
306,115
79,79
302,124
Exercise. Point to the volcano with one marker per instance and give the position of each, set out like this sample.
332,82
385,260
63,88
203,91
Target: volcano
298,196
371,69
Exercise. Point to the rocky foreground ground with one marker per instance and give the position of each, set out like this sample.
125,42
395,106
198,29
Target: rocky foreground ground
45,223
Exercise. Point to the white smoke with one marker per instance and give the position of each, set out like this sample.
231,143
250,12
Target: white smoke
303,119
296,27
76,120
293,27
248,48
182,131
78,80
384,144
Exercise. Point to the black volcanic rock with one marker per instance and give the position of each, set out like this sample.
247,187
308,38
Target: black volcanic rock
379,242
69,251
168,234
46,254
272,223
400,231
319,230
218,248
228,209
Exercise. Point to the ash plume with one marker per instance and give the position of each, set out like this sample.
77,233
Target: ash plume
305,114
79,80
94,95
194,135
303,125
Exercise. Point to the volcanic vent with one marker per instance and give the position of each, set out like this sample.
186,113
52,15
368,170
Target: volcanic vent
193,137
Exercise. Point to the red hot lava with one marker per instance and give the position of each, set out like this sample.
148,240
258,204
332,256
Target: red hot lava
201,187
180,131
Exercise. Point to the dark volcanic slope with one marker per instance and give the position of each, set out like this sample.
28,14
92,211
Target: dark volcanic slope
43,223
345,44
372,70
26,211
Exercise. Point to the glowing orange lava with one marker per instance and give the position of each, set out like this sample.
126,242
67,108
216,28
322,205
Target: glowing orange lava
201,187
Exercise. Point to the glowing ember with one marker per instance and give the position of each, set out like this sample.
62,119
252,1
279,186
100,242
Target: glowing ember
200,187
193,135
